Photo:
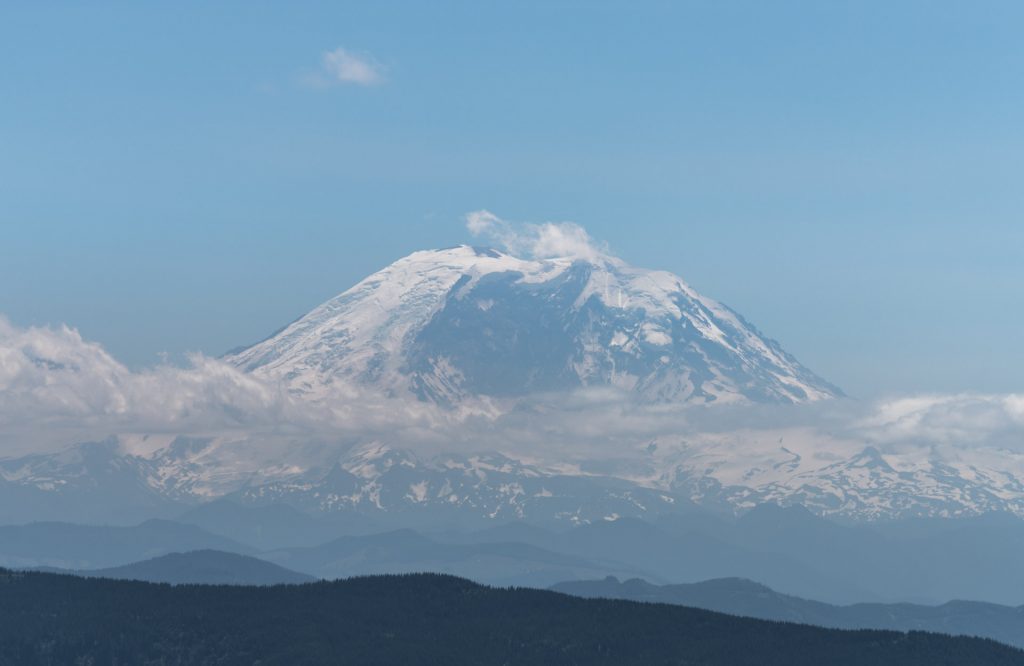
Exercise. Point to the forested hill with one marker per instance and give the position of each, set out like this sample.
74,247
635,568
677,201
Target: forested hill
416,619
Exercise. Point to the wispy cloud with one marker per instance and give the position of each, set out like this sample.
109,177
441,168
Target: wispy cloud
966,418
344,67
539,241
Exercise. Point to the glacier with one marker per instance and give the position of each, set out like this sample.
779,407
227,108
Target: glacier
467,326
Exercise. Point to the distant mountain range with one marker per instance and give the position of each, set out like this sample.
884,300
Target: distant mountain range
420,619
375,483
789,550
738,596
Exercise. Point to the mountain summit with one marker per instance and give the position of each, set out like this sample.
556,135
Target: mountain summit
466,322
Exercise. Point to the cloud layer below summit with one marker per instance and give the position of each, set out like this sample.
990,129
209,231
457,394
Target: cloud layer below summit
57,389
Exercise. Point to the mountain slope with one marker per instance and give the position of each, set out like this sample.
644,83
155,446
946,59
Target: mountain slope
81,483
419,619
207,567
461,324
750,599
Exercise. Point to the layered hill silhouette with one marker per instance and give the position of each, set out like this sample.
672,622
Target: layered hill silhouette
202,567
789,550
418,619
746,598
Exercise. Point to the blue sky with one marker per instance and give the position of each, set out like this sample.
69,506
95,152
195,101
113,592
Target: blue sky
846,175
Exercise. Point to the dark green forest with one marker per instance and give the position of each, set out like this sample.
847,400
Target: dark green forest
416,619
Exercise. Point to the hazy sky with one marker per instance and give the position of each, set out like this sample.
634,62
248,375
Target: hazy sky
845,174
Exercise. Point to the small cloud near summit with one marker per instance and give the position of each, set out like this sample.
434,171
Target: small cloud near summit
342,66
547,240
481,222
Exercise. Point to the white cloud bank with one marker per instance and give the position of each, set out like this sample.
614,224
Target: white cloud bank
57,389
538,241
52,378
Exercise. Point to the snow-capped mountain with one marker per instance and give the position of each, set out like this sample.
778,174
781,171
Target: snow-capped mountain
358,431
467,323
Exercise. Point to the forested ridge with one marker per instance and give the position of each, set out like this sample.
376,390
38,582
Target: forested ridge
416,619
